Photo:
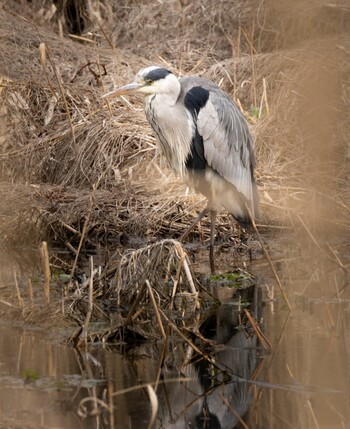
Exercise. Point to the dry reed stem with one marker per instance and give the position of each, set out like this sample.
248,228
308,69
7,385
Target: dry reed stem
131,315
262,338
84,332
110,404
311,235
154,405
337,259
253,377
176,278
20,299
30,291
205,356
154,383
267,255
156,310
45,262
264,100
275,349
183,260
82,410
329,314
82,238
6,303
233,411
62,91
290,372
312,412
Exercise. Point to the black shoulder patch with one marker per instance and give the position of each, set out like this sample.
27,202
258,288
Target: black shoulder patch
196,159
158,73
196,98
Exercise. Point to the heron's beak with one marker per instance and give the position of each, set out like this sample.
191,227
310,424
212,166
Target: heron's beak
126,89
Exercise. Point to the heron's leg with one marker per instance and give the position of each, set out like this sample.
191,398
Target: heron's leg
194,223
212,237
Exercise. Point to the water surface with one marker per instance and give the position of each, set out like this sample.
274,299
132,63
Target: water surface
303,382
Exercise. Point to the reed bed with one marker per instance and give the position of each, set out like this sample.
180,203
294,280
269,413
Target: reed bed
81,172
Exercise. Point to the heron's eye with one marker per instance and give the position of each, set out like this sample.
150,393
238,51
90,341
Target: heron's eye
149,81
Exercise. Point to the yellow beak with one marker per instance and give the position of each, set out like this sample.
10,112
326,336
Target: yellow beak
126,89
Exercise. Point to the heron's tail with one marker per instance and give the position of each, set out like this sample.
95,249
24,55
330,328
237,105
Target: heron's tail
246,210
255,202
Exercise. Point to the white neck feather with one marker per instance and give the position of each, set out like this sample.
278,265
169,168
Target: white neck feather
171,123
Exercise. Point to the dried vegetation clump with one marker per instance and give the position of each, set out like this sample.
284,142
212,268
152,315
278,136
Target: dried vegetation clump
146,288
84,173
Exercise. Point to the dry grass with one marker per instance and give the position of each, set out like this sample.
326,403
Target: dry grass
80,172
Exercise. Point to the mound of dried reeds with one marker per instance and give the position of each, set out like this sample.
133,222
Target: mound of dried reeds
137,295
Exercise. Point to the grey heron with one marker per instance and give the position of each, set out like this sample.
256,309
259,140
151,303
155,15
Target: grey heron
205,139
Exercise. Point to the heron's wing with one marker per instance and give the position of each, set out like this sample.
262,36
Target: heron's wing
227,141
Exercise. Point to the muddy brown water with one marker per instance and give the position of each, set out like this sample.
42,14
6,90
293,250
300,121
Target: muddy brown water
303,382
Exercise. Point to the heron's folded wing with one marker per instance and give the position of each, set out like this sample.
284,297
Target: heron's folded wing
228,144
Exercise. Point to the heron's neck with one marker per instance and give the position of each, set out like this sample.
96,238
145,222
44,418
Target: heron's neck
166,100
168,92
171,124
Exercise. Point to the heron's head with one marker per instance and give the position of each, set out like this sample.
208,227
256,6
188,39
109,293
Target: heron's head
148,81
